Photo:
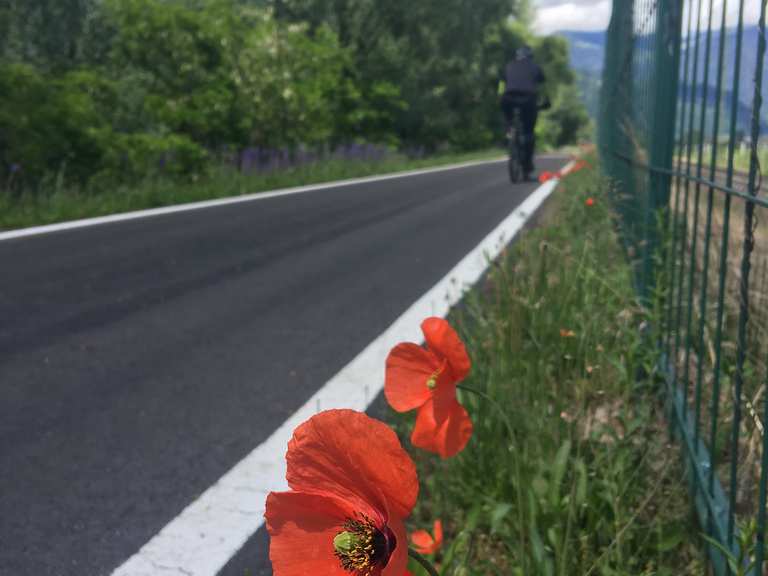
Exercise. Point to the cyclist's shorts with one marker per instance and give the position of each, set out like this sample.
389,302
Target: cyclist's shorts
518,98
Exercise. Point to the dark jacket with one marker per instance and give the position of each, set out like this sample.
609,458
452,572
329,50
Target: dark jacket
523,76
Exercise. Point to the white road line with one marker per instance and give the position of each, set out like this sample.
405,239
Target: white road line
211,530
87,222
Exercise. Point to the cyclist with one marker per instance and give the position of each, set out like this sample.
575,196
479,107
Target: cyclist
519,88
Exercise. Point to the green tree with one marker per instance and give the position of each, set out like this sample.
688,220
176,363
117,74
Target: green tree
47,33
49,126
568,120
106,90
429,54
287,81
184,58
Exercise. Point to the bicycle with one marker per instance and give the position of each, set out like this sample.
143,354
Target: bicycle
517,144
516,149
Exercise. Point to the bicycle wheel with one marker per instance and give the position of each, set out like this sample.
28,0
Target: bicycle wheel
522,157
514,166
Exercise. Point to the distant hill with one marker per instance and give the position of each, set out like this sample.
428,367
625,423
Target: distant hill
588,54
587,50
747,73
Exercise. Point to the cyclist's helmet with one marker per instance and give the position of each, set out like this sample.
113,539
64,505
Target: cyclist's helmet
523,53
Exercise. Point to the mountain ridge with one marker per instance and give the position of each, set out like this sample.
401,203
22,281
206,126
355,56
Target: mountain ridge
587,55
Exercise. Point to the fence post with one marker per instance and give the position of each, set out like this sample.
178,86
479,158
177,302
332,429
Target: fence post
638,142
616,104
669,18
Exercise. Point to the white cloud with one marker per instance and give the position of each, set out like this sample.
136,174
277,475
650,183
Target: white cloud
751,14
554,15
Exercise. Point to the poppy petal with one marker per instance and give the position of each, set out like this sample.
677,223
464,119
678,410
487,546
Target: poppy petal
422,542
442,426
355,458
409,367
443,339
302,528
399,560
438,533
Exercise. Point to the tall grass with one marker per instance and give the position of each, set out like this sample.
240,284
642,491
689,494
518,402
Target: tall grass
57,203
700,356
569,470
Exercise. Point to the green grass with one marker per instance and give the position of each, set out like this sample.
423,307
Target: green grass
59,204
570,472
741,158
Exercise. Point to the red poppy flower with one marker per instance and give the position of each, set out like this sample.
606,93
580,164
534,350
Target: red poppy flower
577,166
546,176
425,379
590,201
581,164
352,485
424,543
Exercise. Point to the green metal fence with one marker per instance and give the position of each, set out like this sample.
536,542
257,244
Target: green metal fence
680,139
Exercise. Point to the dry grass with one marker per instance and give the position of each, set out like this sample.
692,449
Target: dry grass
702,359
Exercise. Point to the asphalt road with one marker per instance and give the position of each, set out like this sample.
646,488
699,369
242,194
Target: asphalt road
140,360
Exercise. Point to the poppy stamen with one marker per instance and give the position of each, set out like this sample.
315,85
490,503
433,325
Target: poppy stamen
432,380
362,547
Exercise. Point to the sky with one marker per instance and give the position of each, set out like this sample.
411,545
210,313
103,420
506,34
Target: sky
554,15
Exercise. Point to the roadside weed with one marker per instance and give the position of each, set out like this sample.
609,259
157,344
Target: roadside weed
57,203
569,470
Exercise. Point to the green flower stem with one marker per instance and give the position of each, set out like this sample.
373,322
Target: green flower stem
515,459
487,398
423,561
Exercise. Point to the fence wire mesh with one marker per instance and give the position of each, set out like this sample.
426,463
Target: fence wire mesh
681,138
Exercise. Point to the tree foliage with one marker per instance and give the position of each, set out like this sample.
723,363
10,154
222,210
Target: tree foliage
93,91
